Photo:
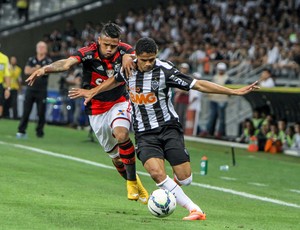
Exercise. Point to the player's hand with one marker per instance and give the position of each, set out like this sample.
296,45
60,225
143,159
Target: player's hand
77,92
128,64
246,89
36,74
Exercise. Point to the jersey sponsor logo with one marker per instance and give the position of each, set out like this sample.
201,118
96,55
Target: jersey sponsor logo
100,68
87,57
1,66
143,98
121,112
99,81
178,80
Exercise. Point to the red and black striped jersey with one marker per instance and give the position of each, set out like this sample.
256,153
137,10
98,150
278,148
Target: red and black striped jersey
96,70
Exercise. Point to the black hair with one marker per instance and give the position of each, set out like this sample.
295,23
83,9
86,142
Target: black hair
145,45
111,30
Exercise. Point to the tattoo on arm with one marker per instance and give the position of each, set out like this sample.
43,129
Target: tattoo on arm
60,65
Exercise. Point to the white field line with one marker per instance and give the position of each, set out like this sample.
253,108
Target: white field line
230,191
227,178
295,190
258,184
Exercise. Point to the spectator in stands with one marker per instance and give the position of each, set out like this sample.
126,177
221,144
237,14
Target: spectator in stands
217,105
290,132
73,80
193,111
266,79
15,85
23,9
247,132
296,137
282,127
273,143
262,136
181,97
257,119
36,93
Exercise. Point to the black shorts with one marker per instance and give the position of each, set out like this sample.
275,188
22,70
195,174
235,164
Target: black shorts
167,144
1,94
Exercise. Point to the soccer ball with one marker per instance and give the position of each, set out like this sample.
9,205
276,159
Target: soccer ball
161,203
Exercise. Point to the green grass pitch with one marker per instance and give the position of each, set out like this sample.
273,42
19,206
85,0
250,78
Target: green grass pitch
42,191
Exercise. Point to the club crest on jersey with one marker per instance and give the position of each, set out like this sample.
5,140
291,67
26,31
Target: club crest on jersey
154,85
117,67
110,72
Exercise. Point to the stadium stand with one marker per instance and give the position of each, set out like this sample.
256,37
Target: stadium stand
248,35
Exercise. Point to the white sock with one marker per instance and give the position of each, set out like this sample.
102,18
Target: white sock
181,198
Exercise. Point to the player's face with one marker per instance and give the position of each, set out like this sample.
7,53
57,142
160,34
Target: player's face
146,61
108,45
41,48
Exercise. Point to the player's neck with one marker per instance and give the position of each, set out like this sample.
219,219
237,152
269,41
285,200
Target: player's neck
40,56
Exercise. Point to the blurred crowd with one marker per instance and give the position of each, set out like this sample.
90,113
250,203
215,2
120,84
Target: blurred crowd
197,36
263,132
241,33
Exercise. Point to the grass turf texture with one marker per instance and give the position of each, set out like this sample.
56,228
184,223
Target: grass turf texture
44,192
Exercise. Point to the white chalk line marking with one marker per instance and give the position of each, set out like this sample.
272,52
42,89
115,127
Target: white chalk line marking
258,184
230,191
227,178
295,190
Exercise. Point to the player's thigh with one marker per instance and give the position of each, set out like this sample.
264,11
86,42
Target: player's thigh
119,115
174,147
156,169
103,131
148,146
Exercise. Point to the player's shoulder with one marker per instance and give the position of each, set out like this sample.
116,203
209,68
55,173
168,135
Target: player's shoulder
3,56
89,48
164,64
124,47
32,58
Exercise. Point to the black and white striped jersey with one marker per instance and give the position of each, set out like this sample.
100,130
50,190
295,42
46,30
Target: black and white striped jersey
150,94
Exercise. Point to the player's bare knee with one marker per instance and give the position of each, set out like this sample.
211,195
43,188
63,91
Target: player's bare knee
121,135
157,176
185,181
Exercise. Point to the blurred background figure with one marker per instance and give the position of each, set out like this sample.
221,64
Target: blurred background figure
37,93
15,88
4,80
23,9
217,105
181,97
71,108
266,79
194,108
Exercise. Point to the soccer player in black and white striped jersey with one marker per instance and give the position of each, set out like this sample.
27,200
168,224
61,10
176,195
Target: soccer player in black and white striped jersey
158,133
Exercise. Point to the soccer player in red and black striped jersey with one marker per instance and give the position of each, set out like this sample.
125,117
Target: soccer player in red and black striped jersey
158,132
109,112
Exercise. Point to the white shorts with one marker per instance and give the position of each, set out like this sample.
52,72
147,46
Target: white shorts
103,124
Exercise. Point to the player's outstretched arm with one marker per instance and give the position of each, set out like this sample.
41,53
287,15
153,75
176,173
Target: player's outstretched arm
210,87
55,67
109,84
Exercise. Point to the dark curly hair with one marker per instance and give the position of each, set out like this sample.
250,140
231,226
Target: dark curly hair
145,45
111,30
